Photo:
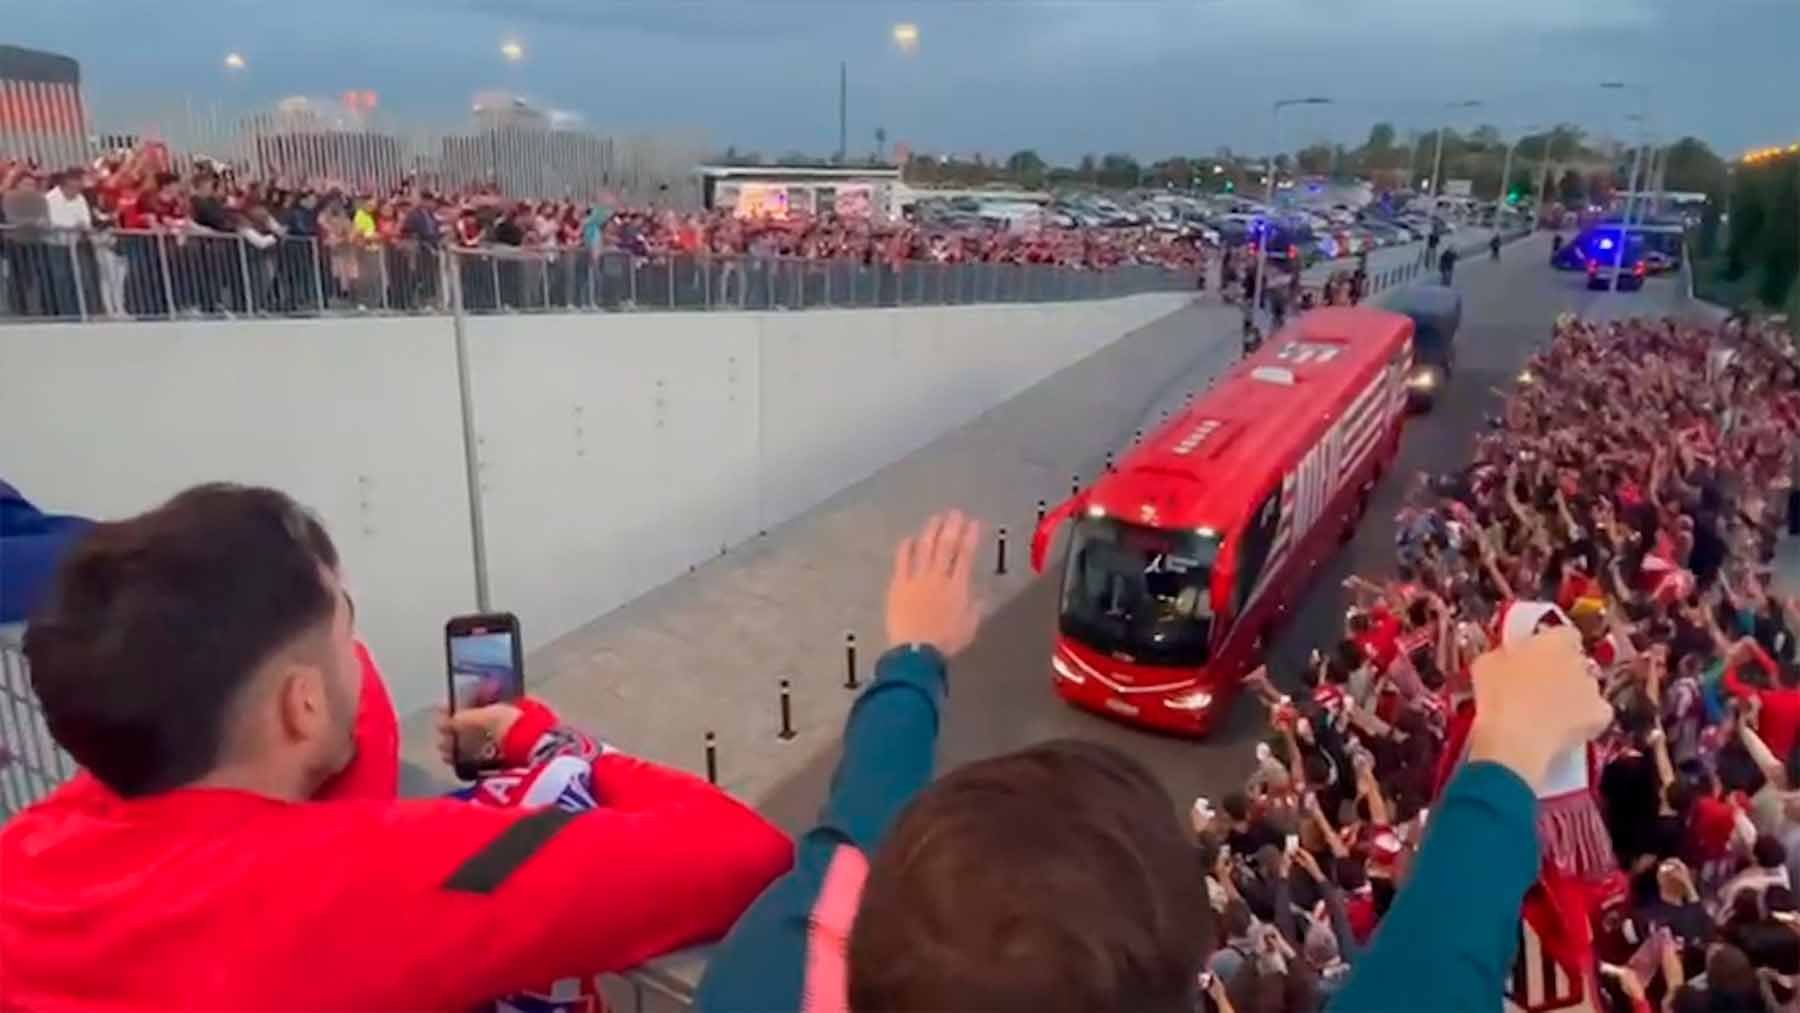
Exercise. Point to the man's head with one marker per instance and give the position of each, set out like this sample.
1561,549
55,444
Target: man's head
1769,852
206,640
1055,878
1237,807
69,182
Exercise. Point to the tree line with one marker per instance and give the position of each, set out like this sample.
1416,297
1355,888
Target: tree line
1580,172
1762,237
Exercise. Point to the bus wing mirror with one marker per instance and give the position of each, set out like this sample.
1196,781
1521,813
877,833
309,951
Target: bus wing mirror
1046,529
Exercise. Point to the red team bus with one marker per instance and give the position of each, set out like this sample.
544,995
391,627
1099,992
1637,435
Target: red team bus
1182,560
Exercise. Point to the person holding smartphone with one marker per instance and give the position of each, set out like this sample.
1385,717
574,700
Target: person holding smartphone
200,663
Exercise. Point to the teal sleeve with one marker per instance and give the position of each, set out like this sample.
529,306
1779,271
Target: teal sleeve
1448,941
890,742
890,745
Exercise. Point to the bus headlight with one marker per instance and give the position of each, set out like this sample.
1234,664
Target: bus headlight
1063,670
1422,380
1195,700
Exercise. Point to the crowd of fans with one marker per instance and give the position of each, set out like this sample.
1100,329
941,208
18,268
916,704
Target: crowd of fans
1632,492
1554,758
350,225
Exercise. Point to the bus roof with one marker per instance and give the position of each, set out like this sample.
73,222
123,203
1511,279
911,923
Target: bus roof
1212,464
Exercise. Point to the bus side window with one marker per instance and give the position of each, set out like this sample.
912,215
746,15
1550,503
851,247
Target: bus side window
1253,549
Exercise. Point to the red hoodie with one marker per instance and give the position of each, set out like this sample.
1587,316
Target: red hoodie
1779,725
222,899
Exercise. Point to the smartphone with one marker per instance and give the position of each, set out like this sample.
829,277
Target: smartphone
1206,981
484,660
1293,844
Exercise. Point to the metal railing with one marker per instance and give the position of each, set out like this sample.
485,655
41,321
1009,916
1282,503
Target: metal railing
31,763
502,281
64,274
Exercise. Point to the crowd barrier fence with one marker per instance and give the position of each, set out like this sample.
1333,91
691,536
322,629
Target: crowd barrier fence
79,275
31,763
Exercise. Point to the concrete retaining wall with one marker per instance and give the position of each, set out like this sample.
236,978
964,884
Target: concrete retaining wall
615,451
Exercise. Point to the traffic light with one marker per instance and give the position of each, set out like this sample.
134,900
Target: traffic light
1230,186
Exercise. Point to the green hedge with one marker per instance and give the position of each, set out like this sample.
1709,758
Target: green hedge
1760,262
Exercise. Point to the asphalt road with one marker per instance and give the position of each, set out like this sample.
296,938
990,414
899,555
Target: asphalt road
1001,698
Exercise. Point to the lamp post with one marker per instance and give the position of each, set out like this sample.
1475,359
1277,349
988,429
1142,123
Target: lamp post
1543,194
1506,171
1637,164
1437,160
1262,245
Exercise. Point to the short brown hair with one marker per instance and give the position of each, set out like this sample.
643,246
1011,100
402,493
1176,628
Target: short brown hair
155,623
1055,878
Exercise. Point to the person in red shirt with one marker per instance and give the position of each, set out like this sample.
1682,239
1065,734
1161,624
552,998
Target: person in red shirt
1780,722
234,843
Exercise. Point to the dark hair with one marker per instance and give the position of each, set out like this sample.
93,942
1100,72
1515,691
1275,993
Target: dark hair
1730,977
1236,919
1235,805
155,623
1680,796
1778,898
1746,906
1768,852
1418,612
1055,878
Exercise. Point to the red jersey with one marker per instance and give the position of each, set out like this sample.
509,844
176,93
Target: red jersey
1780,722
1380,643
206,898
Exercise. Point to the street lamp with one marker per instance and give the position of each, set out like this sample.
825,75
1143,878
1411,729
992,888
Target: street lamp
1637,164
1437,160
906,36
1506,172
512,50
234,61
1262,246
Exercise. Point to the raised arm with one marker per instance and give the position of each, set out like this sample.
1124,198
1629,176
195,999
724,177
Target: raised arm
889,747
1452,932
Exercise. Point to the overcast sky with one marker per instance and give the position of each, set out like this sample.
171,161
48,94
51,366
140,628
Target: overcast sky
1149,77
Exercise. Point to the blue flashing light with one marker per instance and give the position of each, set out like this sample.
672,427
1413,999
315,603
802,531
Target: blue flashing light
1605,243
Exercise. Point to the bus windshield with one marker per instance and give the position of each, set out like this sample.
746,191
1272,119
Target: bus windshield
1144,594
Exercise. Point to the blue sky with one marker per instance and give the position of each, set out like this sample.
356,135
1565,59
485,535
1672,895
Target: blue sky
1148,77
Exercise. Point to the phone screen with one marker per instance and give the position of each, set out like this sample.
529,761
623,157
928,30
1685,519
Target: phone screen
484,666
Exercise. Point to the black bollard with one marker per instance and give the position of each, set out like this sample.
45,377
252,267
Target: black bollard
1109,460
849,661
1000,556
1074,484
1188,398
787,712
1043,508
712,759
1165,415
1137,437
